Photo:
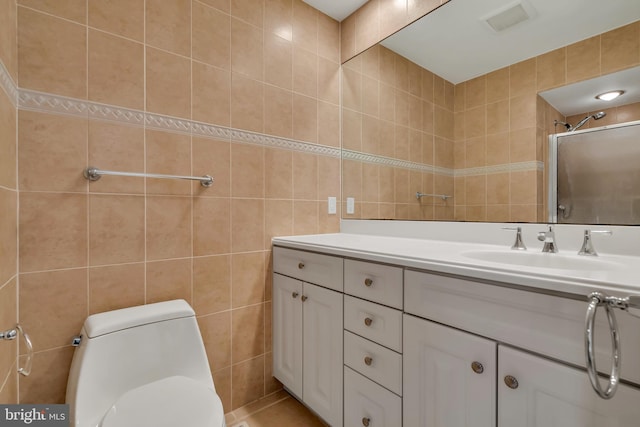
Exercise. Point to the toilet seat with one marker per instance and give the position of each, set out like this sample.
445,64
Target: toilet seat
170,402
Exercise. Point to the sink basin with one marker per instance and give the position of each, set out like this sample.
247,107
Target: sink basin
543,260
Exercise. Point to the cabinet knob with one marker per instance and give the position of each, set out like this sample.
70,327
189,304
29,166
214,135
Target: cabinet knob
366,421
368,361
511,381
368,321
301,265
477,367
368,282
295,295
304,298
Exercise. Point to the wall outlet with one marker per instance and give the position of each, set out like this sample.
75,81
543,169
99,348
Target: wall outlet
332,206
351,205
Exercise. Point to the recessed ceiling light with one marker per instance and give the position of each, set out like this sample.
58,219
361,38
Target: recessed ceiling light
608,96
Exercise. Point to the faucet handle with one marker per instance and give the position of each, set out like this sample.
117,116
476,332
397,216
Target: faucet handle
587,245
519,244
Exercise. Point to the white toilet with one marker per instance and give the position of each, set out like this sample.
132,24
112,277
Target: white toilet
143,366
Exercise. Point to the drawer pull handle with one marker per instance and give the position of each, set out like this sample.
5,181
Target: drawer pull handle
368,282
368,321
366,421
477,367
295,294
300,265
304,298
368,361
511,382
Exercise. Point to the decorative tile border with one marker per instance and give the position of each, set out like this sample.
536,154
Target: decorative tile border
8,85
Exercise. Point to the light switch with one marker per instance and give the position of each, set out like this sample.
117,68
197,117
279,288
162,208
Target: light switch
351,205
332,206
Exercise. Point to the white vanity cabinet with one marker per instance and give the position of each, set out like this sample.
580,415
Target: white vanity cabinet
307,337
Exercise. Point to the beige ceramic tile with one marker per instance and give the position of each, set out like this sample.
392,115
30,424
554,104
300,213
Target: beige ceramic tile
247,171
475,92
216,334
523,188
211,232
367,26
498,149
247,103
419,8
116,286
168,153
475,190
393,16
168,80
8,38
249,11
370,134
248,382
211,284
53,231
121,17
352,130
223,5
49,382
352,90
475,122
551,69
168,227
278,219
278,178
498,189
305,171
498,117
328,38
523,213
116,229
9,390
443,123
583,60
278,111
74,10
305,72
475,152
522,112
168,280
305,118
52,143
222,381
348,38
52,54
402,108
118,147
305,26
9,317
522,78
522,145
8,234
52,324
498,85
370,182
248,285
278,61
498,213
305,217
476,213
211,157
116,70
247,225
621,48
246,50
168,25
328,177
8,143
247,326
278,17
211,36
211,100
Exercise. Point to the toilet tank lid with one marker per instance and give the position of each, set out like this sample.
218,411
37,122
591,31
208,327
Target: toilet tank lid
117,320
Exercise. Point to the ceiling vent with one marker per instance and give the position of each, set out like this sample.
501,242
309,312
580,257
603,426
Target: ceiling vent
507,17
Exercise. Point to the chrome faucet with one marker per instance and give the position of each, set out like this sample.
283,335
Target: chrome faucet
587,245
549,239
518,244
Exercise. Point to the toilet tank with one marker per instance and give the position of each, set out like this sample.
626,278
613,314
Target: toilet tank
128,348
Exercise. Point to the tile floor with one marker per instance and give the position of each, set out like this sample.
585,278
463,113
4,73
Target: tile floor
276,410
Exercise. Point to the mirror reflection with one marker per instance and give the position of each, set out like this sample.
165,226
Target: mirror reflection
476,149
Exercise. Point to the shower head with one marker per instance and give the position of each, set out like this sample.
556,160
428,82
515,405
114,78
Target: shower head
596,116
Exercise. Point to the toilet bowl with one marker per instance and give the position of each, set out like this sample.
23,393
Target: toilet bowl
143,366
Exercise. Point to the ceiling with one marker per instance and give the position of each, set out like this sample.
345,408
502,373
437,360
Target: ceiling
337,9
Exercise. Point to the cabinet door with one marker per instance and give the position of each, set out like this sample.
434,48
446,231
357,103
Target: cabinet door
440,387
551,394
322,352
287,332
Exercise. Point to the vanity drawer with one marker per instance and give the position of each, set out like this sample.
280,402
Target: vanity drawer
366,403
545,324
374,282
323,270
374,321
373,361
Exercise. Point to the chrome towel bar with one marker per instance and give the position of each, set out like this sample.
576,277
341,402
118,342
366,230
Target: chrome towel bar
93,174
442,196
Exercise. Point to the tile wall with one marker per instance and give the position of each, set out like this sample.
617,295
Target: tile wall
403,115
8,201
172,87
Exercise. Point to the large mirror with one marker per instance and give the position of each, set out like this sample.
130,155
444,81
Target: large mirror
449,119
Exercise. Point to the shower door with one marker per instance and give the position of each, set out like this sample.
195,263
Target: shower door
595,176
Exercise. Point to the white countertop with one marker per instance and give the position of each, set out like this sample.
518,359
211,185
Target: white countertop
621,276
